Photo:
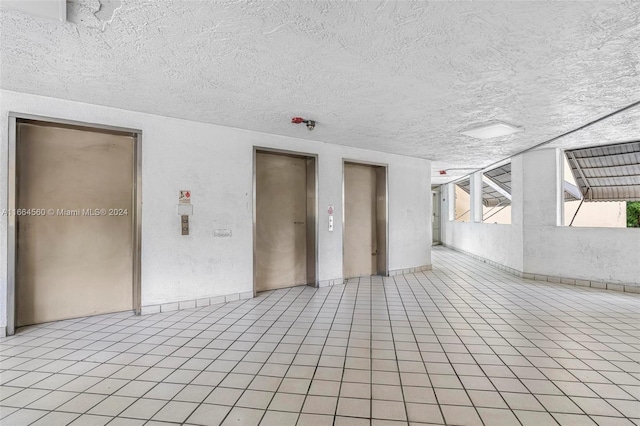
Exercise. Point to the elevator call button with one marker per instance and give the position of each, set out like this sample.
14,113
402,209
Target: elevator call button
184,210
185,224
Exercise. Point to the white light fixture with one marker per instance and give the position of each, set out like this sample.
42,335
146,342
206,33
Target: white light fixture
492,129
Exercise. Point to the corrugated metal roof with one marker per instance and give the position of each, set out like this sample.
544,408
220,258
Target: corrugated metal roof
608,172
501,176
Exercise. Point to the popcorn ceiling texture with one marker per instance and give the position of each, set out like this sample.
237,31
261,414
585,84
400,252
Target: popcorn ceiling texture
399,77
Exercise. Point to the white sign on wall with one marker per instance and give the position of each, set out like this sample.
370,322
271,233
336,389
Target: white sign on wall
185,197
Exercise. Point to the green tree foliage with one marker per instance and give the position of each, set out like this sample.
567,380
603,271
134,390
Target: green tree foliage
633,214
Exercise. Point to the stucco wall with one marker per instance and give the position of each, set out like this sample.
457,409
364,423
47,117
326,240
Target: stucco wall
536,244
215,163
496,242
595,254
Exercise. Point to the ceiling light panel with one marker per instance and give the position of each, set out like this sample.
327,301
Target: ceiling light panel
491,130
50,9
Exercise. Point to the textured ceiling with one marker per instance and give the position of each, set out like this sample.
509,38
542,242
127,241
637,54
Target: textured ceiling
400,77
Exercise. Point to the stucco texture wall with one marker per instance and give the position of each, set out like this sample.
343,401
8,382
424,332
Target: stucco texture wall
535,243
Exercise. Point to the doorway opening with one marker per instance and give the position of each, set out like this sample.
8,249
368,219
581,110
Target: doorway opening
365,230
285,225
435,216
74,240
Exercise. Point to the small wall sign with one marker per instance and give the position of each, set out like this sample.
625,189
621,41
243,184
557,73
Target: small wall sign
185,196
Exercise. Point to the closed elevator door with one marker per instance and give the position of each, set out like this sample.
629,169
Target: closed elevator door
281,216
364,220
75,257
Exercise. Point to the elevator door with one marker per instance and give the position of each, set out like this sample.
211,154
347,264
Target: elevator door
73,259
360,242
281,214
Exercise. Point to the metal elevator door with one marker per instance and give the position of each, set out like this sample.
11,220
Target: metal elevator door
281,215
74,257
360,219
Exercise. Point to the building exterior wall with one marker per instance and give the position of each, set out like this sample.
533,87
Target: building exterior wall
601,214
463,205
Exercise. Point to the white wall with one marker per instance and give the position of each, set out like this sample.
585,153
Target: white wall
215,163
499,243
535,244
595,254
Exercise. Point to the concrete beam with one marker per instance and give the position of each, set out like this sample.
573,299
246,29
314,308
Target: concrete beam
572,189
496,187
476,196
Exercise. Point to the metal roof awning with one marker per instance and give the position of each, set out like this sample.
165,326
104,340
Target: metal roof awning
496,187
501,176
491,197
496,191
607,173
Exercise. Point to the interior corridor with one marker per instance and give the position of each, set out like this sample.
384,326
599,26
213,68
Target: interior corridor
463,344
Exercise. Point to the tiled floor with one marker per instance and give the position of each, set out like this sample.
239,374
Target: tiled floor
465,344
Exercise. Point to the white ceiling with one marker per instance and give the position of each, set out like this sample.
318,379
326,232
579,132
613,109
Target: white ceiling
400,77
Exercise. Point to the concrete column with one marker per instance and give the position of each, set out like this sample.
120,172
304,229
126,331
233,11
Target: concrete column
476,197
517,192
451,201
542,188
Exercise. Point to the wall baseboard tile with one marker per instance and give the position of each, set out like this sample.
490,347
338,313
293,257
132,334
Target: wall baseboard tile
329,283
195,303
404,271
627,288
